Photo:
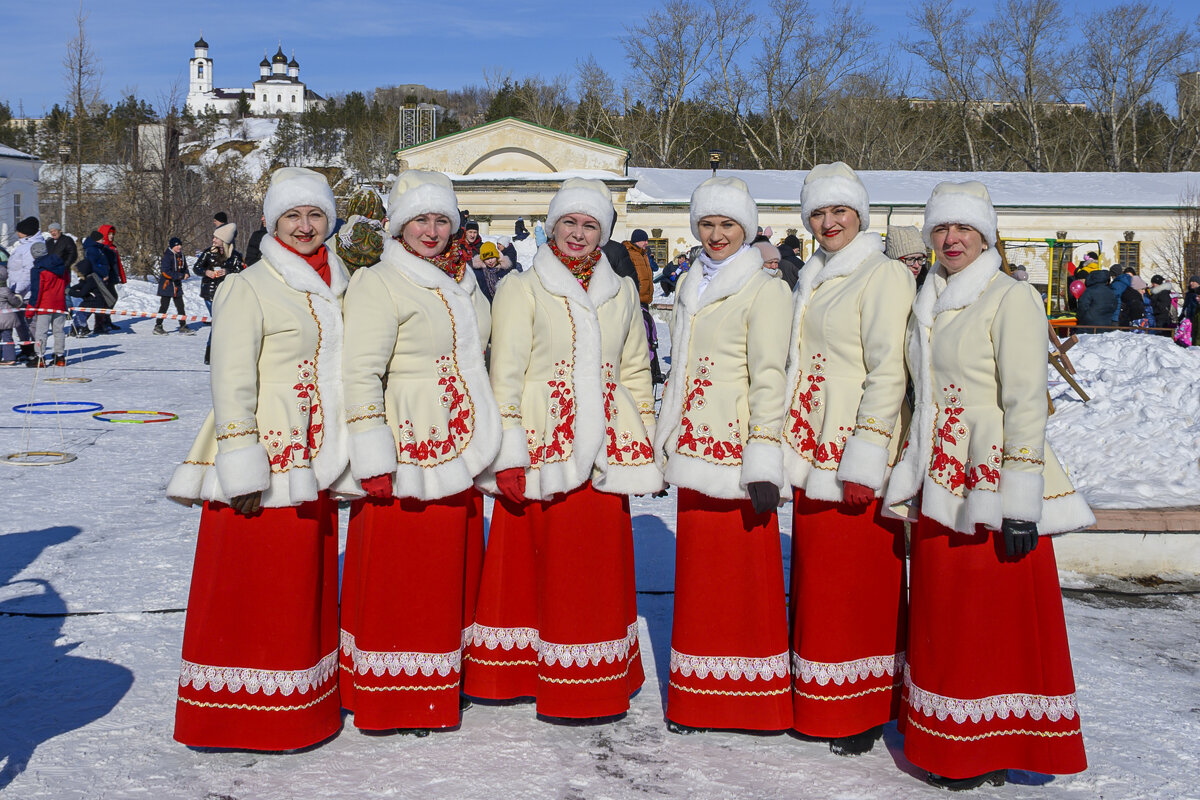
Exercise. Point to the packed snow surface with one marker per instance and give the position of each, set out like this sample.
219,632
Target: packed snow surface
94,572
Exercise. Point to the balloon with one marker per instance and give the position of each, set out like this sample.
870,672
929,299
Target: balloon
1076,289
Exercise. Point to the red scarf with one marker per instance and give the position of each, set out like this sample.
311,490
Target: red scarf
452,260
582,267
319,260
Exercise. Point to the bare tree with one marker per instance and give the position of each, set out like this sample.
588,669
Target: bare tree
1140,47
1178,252
597,114
81,70
950,49
1025,67
667,52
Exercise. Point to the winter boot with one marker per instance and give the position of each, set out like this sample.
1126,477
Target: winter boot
185,330
60,361
158,329
856,745
996,778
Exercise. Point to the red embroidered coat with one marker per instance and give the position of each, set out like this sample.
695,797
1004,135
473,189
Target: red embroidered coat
977,449
436,427
846,375
570,371
277,424
719,423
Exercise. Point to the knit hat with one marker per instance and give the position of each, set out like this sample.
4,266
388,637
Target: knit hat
226,232
769,251
292,187
638,235
582,196
472,225
1020,274
28,226
174,242
489,250
966,203
1136,282
903,240
221,217
365,202
38,249
503,241
834,185
1158,280
54,226
417,192
722,196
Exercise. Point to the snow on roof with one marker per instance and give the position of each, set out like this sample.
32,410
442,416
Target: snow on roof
549,177
912,188
12,152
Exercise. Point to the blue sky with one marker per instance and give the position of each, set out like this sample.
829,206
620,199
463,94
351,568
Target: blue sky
144,45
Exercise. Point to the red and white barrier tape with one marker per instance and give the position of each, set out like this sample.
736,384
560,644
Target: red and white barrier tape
112,312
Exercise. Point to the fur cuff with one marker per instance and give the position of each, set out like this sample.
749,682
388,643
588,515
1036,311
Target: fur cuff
372,452
863,462
243,471
186,483
761,462
1021,495
514,450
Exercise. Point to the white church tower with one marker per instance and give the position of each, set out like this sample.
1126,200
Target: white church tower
200,79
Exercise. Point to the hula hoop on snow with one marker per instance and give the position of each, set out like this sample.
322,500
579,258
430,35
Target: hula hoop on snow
37,458
58,407
162,416
71,379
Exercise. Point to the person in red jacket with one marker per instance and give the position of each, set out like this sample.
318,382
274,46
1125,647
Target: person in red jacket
47,304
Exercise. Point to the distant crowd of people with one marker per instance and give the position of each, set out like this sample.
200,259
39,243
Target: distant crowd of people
1119,299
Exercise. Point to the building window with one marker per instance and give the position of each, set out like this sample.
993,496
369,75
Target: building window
200,69
293,98
659,249
1129,254
278,98
16,208
264,98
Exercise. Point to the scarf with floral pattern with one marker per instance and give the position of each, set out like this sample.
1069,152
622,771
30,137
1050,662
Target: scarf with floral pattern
451,261
582,267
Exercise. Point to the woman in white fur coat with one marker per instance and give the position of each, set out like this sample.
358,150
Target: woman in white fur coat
846,384
423,424
260,641
718,439
988,684
557,611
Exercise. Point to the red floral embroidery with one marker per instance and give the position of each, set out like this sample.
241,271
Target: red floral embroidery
640,451
458,427
951,470
691,437
986,473
301,444
562,410
805,403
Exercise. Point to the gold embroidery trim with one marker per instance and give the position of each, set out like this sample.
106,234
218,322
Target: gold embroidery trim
991,734
247,707
360,688
887,688
579,681
722,692
873,429
487,663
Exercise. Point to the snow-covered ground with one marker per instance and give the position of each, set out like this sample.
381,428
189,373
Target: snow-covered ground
94,570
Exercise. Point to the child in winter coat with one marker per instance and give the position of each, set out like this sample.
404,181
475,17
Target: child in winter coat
10,301
48,287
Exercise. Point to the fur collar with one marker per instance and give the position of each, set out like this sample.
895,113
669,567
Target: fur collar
824,266
297,274
728,281
947,293
424,274
557,279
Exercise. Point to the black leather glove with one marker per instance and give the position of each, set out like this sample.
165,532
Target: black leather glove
764,496
1020,538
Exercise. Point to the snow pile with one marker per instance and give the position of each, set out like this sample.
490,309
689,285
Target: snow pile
1134,444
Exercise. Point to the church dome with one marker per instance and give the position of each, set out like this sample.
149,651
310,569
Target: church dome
294,62
279,57
264,62
201,43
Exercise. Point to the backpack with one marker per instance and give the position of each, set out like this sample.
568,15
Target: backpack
1183,333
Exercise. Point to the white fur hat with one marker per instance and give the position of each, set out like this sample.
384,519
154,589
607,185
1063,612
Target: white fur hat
583,196
834,185
966,203
418,192
720,196
292,187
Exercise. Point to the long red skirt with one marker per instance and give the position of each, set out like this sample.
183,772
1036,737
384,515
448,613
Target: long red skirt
557,611
849,612
729,648
411,570
260,640
988,684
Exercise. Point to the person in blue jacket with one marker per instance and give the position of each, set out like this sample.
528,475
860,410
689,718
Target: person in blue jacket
1098,304
172,272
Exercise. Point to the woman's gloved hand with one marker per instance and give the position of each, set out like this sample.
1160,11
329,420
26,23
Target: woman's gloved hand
511,483
1020,537
764,496
378,487
856,495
